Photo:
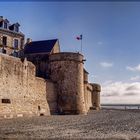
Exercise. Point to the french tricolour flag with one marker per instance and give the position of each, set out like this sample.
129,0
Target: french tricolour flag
79,37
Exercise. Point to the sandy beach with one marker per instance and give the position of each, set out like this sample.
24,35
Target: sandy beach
104,124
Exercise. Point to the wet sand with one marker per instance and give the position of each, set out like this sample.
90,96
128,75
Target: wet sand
104,124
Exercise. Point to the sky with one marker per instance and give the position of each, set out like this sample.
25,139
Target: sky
111,39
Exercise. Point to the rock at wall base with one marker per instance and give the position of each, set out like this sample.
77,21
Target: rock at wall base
95,108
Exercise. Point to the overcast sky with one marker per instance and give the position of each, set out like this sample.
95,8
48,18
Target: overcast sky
111,39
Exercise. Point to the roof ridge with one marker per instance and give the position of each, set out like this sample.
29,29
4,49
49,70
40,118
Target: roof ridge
44,40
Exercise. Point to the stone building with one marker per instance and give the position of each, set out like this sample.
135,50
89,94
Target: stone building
65,74
38,53
47,81
11,39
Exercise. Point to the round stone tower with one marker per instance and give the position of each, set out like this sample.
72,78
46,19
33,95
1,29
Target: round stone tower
96,96
66,70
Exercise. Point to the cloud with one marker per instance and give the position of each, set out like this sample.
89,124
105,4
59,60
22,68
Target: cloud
137,68
135,78
107,82
130,94
132,87
106,64
120,92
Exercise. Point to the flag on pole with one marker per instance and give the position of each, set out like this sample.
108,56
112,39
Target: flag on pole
79,37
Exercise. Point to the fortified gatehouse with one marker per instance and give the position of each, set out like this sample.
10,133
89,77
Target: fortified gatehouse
47,81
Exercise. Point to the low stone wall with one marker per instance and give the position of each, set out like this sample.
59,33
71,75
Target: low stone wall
21,93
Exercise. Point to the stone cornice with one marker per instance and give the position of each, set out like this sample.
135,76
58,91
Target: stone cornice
11,32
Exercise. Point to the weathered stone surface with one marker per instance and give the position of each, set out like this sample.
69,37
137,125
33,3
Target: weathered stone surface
18,84
10,35
66,71
96,96
51,93
88,95
40,60
22,93
91,93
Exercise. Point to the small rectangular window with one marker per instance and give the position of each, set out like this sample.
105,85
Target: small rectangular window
1,24
16,29
6,101
16,43
4,40
5,25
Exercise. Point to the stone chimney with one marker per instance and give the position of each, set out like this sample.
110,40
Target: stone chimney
29,40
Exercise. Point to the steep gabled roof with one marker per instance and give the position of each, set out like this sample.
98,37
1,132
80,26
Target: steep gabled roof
44,46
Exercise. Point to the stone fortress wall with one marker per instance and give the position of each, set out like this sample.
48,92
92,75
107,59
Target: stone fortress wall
67,92
91,93
21,93
50,82
66,70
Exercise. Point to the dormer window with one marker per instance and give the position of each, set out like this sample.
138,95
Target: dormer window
1,24
5,25
16,28
1,21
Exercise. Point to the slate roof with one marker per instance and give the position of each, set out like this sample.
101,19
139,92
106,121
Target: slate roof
44,46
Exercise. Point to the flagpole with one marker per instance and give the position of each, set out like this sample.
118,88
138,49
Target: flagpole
80,38
81,46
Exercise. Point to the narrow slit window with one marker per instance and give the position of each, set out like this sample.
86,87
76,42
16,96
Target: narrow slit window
6,101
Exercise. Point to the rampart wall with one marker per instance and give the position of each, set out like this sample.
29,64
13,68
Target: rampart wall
21,93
